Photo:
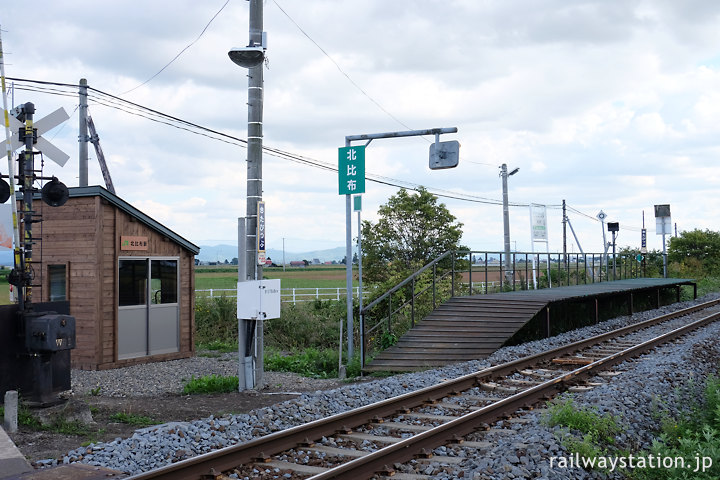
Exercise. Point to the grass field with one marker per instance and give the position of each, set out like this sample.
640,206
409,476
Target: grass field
225,277
323,276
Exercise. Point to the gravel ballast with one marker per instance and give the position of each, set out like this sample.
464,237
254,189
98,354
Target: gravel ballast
525,453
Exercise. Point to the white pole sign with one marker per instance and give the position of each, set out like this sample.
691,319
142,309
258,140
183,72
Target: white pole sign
539,223
261,233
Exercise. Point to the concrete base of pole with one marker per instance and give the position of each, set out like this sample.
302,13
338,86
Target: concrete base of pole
10,422
341,373
249,373
241,354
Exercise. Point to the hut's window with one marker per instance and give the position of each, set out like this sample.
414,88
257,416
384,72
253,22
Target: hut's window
164,281
133,282
58,286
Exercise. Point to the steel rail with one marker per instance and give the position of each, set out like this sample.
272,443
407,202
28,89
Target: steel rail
253,450
405,450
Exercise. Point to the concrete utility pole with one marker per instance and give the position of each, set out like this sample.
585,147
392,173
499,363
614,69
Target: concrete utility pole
564,223
83,134
506,220
252,57
254,167
254,142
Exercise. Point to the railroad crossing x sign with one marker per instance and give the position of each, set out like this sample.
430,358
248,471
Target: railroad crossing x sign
43,125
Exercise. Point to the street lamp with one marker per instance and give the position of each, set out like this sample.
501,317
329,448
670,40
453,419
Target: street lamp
247,57
506,219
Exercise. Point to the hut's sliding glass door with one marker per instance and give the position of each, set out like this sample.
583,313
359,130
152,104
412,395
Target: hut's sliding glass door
148,310
163,307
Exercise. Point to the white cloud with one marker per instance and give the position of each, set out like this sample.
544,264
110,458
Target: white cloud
607,104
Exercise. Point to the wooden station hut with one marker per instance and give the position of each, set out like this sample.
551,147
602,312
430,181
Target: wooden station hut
129,280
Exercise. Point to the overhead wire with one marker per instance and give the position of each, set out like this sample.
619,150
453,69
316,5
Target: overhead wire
181,51
340,69
595,219
108,100
45,90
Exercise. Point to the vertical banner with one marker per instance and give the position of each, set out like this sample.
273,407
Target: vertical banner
261,233
6,227
539,223
539,233
643,241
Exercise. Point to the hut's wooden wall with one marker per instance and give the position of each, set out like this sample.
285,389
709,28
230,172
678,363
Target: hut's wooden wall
84,235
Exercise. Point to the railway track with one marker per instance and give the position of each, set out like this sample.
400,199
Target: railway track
369,441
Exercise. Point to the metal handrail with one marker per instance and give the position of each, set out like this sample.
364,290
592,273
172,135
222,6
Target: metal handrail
405,282
545,265
408,302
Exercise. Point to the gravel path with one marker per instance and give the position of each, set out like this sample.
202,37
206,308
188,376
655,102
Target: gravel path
163,378
629,396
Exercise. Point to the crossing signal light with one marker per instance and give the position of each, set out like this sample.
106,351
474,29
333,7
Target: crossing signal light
4,191
55,193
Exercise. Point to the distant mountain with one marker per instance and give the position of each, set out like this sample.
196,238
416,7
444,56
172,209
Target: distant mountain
219,253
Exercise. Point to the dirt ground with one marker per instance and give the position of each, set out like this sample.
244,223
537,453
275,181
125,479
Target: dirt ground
40,444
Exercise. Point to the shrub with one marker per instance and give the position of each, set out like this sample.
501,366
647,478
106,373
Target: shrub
692,435
584,420
310,362
585,432
215,320
306,325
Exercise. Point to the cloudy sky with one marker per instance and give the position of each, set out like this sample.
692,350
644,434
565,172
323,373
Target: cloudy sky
609,105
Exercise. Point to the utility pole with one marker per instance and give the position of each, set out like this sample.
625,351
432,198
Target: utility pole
252,57
254,143
564,222
509,274
83,133
254,166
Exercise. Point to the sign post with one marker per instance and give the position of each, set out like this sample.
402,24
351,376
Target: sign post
357,206
539,233
663,226
351,180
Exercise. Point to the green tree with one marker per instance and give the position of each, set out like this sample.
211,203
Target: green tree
413,229
696,252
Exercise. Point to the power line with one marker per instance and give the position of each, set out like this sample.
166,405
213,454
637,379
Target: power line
181,51
108,100
595,219
340,69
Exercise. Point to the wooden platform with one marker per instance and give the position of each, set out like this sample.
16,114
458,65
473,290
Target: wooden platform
473,327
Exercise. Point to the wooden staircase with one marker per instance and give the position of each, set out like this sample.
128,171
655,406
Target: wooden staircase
462,329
